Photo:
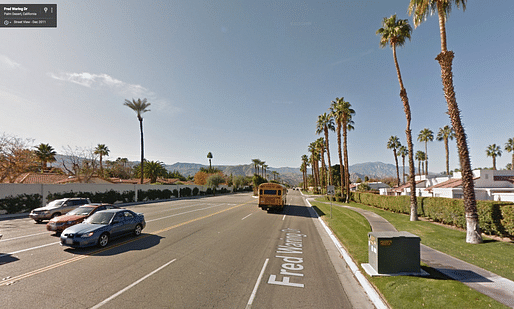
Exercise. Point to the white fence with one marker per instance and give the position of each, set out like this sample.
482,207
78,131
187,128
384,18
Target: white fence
14,189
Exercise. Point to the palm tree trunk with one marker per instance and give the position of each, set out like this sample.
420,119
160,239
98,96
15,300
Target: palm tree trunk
447,156
408,133
329,182
341,166
346,166
323,170
473,236
142,150
397,168
403,164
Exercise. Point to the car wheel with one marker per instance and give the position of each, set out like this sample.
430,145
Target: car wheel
103,240
55,215
138,229
39,221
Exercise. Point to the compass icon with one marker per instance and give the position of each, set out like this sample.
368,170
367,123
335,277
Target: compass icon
6,22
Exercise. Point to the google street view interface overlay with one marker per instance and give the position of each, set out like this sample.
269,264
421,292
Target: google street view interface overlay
28,15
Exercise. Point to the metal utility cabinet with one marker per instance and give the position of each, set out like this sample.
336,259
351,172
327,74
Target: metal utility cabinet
394,252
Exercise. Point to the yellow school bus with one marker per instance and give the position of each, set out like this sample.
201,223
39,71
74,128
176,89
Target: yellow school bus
272,196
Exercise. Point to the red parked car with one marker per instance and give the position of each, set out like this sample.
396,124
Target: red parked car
77,215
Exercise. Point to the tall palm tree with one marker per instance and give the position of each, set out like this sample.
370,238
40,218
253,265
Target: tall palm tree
45,153
403,152
426,135
305,163
420,156
445,134
102,151
493,151
421,9
509,147
262,163
394,143
209,156
320,145
255,165
342,113
140,107
265,167
314,159
395,32
336,114
324,124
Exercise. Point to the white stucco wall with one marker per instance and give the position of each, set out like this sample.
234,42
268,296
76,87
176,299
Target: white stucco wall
44,189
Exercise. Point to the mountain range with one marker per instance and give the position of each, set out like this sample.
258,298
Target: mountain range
290,175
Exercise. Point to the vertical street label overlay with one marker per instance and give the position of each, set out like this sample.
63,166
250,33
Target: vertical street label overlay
28,15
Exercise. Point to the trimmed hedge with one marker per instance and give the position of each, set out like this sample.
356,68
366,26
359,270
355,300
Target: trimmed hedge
495,218
20,203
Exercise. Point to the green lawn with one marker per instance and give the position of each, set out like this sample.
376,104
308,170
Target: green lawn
436,290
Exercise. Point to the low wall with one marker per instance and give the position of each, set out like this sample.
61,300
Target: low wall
14,189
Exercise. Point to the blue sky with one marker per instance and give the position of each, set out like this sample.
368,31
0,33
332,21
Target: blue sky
248,79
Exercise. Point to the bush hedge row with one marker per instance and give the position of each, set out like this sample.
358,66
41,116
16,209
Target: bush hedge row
495,218
27,202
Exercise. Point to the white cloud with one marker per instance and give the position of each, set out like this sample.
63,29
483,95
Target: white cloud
96,81
8,62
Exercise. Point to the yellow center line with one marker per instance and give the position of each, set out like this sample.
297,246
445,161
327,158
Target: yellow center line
78,258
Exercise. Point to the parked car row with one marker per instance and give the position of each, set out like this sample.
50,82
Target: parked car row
85,224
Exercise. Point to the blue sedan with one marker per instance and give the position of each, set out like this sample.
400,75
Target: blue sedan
102,226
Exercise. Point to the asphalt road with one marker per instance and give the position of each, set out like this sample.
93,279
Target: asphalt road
210,252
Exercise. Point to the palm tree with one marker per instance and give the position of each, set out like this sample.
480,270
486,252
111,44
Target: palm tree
314,159
326,123
342,113
154,169
395,32
45,153
305,163
509,147
140,107
262,163
444,134
209,156
421,9
335,113
320,145
102,151
394,143
265,167
493,151
420,156
426,135
403,152
255,165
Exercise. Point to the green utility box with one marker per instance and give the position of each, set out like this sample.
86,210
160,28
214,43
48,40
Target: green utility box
394,252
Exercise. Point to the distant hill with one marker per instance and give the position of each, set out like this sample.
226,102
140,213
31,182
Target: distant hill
289,175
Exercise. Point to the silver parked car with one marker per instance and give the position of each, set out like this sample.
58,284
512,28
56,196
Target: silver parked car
57,208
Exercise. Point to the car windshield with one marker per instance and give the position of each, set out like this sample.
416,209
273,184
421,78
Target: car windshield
100,218
81,211
54,204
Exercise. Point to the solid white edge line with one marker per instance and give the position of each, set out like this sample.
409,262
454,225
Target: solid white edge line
131,286
28,249
247,216
254,292
368,288
24,236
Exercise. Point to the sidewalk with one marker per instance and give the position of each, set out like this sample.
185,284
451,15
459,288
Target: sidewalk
485,282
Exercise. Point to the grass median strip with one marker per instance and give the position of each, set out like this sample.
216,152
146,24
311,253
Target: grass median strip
433,291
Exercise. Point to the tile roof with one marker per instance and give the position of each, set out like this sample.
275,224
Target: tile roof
406,186
451,183
39,178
